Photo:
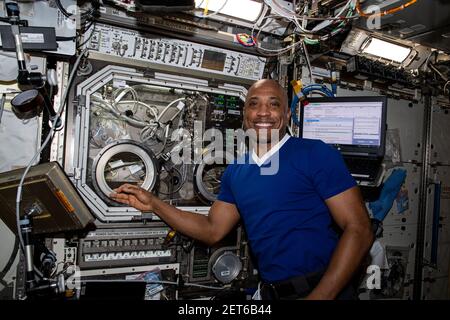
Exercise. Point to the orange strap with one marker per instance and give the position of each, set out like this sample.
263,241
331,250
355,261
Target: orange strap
384,13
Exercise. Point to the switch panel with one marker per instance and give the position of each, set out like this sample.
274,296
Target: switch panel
157,52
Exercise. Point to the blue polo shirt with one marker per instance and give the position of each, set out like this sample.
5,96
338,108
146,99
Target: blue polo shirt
287,221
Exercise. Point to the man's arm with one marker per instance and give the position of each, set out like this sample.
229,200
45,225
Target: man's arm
349,212
209,229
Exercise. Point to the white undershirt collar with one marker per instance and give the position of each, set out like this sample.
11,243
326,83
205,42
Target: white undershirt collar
260,161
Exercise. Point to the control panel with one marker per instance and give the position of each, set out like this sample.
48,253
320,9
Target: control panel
224,112
116,248
140,47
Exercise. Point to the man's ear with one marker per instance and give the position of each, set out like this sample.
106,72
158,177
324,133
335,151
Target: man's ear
288,114
244,119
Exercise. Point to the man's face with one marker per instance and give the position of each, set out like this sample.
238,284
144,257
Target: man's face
266,110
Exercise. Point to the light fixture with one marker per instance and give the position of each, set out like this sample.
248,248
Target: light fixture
164,5
386,50
248,10
27,104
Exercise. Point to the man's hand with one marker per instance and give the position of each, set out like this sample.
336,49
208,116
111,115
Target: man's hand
134,196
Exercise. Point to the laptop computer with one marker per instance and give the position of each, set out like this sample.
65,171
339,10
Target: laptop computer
356,126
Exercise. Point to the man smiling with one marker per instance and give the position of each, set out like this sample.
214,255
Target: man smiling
266,111
288,215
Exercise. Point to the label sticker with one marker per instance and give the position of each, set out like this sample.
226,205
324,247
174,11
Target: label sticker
32,37
225,273
116,164
135,168
402,200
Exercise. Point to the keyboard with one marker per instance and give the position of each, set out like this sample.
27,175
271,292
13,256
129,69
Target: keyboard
363,168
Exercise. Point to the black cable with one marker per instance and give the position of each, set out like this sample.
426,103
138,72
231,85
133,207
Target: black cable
87,14
437,71
90,36
288,27
62,9
65,38
86,17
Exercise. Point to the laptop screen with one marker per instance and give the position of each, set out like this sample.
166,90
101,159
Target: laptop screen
352,124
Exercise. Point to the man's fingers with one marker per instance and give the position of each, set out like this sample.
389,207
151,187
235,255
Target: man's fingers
119,196
125,198
131,195
121,199
118,189
126,185
128,188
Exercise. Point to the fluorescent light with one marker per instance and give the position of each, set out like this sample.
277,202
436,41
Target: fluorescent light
386,50
242,9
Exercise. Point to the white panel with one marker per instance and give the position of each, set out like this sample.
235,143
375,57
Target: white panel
412,183
409,121
399,235
7,239
440,136
438,289
21,137
444,233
